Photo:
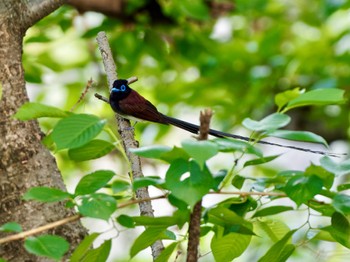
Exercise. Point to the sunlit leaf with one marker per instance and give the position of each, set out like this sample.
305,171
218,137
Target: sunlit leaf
32,110
94,149
271,122
280,251
97,205
148,237
120,186
303,136
341,203
229,246
200,151
232,145
47,245
283,98
94,181
46,194
76,130
84,246
302,188
100,253
339,169
192,188
273,210
146,181
260,161
11,227
166,253
151,151
322,96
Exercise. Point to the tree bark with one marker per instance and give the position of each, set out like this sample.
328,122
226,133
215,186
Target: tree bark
24,161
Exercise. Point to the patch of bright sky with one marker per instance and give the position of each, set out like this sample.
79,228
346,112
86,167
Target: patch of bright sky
87,20
305,31
224,27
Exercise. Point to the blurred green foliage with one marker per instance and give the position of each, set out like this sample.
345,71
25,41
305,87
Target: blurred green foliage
233,64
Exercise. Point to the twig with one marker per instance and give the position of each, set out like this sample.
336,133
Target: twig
137,201
105,99
88,86
131,80
127,136
40,229
195,219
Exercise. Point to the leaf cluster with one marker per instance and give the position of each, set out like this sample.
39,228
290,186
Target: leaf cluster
247,213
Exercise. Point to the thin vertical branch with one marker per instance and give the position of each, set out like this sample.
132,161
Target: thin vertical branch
127,136
195,219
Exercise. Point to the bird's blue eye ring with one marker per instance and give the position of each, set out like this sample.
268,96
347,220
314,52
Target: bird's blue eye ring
122,88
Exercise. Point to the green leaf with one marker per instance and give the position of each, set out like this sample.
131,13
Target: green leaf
195,9
280,251
126,221
98,205
274,229
226,218
150,151
238,181
283,98
339,169
148,237
302,188
165,221
327,177
192,188
11,227
271,122
341,203
232,145
324,96
166,253
30,111
339,229
98,254
47,245
303,136
229,246
120,186
273,210
76,130
147,181
175,153
46,194
259,161
200,151
93,182
343,187
94,149
83,248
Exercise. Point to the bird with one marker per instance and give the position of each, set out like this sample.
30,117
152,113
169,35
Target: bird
131,105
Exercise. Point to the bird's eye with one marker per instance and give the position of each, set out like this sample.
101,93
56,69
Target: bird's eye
122,88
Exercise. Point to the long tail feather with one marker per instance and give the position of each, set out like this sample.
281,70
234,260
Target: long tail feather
195,129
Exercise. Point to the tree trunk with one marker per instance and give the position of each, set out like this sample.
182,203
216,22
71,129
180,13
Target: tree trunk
24,161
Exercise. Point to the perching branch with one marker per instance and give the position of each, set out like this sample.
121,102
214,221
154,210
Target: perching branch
127,136
195,219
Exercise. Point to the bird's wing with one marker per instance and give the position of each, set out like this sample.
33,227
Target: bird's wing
138,107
